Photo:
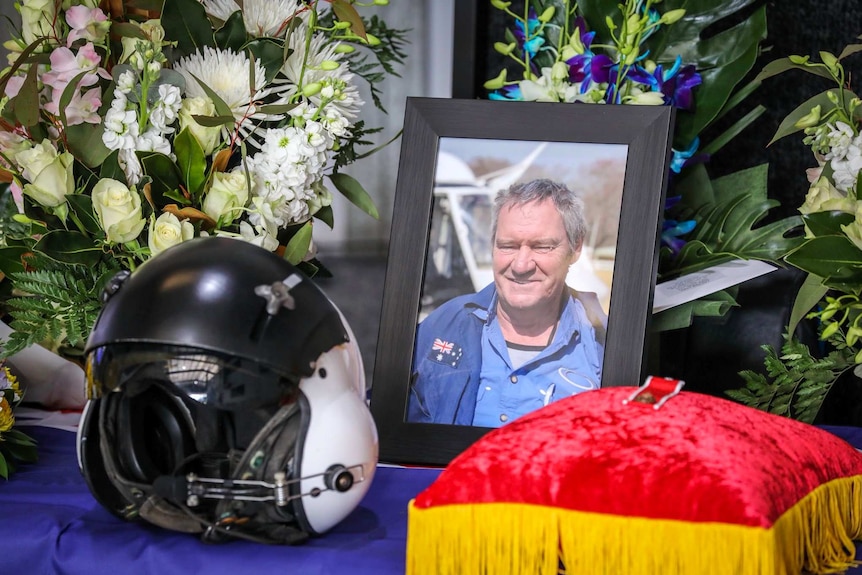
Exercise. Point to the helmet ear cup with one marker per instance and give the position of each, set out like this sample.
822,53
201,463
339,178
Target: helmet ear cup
154,436
92,463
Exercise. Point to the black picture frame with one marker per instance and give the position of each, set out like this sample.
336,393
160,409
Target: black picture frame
646,130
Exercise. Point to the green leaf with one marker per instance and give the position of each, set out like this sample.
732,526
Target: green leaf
720,141
191,161
4,467
213,121
127,30
849,50
325,215
345,12
19,437
353,191
85,143
10,258
269,53
834,258
809,294
784,64
827,223
186,23
222,109
165,174
232,35
68,247
788,124
27,101
82,206
111,168
277,108
713,305
298,245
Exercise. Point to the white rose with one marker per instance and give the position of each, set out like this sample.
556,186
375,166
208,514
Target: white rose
207,137
226,197
37,18
49,173
167,231
823,197
118,209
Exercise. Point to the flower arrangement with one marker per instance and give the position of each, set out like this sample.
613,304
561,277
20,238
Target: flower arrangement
797,381
130,126
657,52
15,446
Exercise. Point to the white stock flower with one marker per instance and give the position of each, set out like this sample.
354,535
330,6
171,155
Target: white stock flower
840,138
261,17
258,235
164,112
118,209
167,231
131,165
846,168
48,173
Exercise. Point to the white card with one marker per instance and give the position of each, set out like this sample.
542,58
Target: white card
698,284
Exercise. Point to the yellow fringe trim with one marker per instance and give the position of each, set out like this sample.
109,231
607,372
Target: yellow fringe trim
519,539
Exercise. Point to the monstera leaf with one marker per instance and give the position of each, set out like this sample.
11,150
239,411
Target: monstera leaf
726,229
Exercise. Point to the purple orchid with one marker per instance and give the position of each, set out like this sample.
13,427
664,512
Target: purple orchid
675,84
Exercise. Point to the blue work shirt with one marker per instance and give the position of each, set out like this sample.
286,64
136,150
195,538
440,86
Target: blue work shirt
562,369
447,359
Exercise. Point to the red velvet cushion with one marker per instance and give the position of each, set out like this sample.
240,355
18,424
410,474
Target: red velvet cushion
697,459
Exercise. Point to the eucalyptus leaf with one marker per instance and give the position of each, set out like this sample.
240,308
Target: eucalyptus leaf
353,191
85,143
213,121
27,100
298,245
127,30
222,109
345,12
68,94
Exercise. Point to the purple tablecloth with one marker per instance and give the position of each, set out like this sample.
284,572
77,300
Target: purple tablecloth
50,524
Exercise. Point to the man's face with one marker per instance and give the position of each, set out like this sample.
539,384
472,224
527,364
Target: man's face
532,256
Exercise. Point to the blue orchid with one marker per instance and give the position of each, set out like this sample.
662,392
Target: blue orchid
511,93
687,157
670,232
675,84
527,39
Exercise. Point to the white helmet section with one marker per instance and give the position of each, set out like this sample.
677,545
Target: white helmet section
341,431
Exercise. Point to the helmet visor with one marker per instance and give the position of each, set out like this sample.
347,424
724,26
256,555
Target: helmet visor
209,378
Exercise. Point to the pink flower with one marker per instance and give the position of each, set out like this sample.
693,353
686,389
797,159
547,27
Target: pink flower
17,194
84,107
13,86
88,23
65,65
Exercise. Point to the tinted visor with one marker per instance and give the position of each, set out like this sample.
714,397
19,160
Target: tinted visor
212,379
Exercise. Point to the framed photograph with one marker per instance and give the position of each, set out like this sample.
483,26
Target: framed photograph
456,155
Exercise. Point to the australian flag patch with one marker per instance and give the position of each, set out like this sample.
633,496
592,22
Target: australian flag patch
445,352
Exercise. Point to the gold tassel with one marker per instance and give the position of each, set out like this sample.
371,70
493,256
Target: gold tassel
515,538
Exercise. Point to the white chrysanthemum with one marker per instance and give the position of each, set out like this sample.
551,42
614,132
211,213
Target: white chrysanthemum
262,17
846,170
338,83
226,73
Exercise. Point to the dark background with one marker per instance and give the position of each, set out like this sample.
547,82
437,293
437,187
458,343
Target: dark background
710,353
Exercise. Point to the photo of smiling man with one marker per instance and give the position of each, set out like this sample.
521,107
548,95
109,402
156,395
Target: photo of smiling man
526,339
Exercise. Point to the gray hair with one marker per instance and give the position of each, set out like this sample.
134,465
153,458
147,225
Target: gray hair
568,204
